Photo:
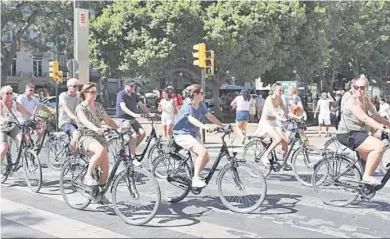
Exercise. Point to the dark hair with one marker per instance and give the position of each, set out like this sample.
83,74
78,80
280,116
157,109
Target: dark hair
246,95
195,89
167,91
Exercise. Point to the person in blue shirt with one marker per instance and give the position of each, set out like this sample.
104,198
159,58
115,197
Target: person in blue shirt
187,126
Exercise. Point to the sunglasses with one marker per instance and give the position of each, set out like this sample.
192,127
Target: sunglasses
74,86
362,87
91,91
9,93
31,90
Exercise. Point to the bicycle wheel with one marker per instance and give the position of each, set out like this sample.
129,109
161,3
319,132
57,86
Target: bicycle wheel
256,182
153,153
303,162
71,187
323,179
385,161
13,149
334,145
137,184
4,170
176,187
56,152
253,151
31,164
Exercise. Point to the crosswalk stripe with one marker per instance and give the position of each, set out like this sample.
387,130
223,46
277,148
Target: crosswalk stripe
53,224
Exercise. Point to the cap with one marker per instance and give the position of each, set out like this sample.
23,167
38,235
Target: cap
129,82
170,87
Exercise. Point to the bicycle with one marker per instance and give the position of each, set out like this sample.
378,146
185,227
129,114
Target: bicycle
334,145
184,181
132,177
264,142
26,158
351,175
113,142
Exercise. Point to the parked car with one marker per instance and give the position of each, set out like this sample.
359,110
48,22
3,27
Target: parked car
50,101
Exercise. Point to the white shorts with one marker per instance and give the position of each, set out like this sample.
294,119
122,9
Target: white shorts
186,141
324,119
165,120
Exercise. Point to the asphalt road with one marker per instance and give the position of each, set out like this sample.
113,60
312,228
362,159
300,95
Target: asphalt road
289,210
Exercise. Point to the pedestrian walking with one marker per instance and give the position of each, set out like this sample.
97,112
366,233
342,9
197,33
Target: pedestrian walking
242,105
168,112
323,106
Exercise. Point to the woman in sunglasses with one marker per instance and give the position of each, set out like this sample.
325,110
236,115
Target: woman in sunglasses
90,115
9,111
358,117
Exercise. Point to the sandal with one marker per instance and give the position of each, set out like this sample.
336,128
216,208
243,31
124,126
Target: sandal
286,167
372,181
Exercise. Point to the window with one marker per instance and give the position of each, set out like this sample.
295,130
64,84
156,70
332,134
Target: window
12,70
37,66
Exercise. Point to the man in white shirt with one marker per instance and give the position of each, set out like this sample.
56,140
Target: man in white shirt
384,109
31,104
323,106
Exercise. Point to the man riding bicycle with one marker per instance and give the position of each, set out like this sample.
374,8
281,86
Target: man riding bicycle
186,130
126,106
67,118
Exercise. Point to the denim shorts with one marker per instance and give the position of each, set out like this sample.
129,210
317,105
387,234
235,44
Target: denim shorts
242,115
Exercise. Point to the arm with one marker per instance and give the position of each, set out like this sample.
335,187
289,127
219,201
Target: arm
143,107
317,108
196,122
111,123
213,119
67,111
23,110
160,108
357,110
375,115
234,102
126,110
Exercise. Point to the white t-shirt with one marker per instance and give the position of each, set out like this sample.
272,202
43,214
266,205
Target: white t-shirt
242,105
29,103
323,106
260,101
167,108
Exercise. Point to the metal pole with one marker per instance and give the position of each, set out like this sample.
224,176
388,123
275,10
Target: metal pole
204,93
56,88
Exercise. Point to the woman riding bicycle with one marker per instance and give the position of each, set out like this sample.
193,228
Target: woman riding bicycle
358,117
90,115
186,127
268,124
9,111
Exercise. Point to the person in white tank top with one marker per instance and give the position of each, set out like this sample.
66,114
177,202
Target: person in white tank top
268,124
168,112
9,110
242,104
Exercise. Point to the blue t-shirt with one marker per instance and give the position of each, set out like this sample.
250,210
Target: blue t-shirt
130,101
182,124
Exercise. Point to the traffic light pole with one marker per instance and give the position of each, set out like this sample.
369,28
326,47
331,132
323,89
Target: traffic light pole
203,82
56,89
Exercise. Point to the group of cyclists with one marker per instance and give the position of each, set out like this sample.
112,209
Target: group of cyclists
81,118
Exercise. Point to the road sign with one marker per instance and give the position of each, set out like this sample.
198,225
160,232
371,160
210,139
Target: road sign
72,65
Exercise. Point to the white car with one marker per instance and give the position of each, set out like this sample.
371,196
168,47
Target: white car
50,101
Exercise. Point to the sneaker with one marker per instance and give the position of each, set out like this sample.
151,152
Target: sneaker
198,183
319,134
89,181
104,200
137,163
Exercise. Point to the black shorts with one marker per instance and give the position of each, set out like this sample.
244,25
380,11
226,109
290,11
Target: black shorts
352,139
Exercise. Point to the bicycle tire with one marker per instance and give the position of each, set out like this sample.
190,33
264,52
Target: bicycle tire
186,189
39,167
156,190
67,166
53,147
150,154
294,160
326,161
382,166
229,205
4,175
265,170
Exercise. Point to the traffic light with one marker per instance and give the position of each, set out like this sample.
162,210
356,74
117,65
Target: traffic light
200,55
60,77
53,70
210,63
